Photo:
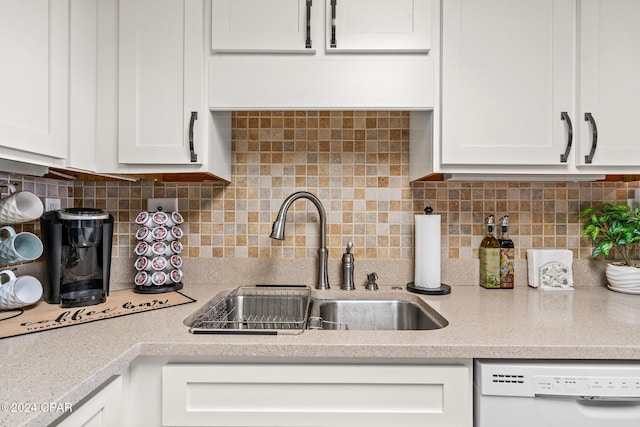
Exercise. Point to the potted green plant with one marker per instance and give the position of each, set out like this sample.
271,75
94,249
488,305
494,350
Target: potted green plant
616,228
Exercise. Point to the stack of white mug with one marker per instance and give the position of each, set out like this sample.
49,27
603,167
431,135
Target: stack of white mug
16,248
158,249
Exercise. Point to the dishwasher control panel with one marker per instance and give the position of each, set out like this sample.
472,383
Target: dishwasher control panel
588,379
556,393
558,385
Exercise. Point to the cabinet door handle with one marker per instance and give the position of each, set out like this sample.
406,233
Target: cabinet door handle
308,40
194,156
333,23
564,157
594,137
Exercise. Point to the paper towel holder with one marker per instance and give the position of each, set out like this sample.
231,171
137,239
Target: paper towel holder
442,290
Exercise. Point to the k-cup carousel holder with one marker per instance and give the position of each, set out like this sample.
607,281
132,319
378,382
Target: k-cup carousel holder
158,264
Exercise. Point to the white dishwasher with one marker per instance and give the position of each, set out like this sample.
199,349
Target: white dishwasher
528,393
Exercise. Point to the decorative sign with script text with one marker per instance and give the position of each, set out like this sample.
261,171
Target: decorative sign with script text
43,316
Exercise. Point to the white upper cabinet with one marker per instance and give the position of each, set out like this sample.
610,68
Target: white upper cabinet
507,82
378,25
291,25
609,83
161,81
34,83
539,87
262,26
382,58
83,90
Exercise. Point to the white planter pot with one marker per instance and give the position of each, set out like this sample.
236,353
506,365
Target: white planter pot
623,278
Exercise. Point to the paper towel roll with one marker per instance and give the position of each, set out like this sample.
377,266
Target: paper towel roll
427,251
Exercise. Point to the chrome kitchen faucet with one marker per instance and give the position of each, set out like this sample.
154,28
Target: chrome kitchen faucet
277,232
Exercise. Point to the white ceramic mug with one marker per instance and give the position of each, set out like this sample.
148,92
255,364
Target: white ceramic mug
18,292
19,247
18,207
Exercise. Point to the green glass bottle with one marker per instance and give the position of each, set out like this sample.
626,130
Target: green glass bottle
507,252
490,258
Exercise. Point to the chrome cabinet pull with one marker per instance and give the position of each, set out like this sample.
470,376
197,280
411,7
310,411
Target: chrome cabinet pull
333,23
308,40
594,137
194,156
564,157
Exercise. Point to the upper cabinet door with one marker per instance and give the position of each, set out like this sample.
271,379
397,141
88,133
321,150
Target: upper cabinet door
507,81
378,25
34,85
609,82
262,26
161,81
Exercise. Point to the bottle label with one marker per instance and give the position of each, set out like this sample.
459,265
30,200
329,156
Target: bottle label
490,267
507,268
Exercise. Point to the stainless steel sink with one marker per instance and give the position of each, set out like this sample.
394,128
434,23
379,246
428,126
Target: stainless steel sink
375,314
253,310
286,310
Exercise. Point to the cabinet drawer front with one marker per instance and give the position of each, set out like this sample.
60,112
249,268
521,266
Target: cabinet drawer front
313,395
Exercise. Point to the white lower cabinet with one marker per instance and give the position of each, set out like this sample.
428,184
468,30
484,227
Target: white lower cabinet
315,395
103,409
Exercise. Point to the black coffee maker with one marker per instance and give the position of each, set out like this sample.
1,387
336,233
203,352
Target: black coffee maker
77,255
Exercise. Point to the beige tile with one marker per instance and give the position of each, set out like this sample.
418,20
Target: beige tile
357,163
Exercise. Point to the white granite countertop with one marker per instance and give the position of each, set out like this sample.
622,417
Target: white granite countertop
64,365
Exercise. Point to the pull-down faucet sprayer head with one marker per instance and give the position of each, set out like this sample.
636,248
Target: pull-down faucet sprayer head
277,230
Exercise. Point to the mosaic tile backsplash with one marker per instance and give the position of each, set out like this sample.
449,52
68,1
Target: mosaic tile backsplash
357,163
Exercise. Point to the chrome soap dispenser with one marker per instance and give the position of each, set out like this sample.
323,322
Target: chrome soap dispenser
347,269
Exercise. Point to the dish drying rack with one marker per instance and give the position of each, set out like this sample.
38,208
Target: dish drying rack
254,310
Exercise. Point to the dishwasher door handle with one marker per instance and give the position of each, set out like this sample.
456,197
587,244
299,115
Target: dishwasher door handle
603,399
